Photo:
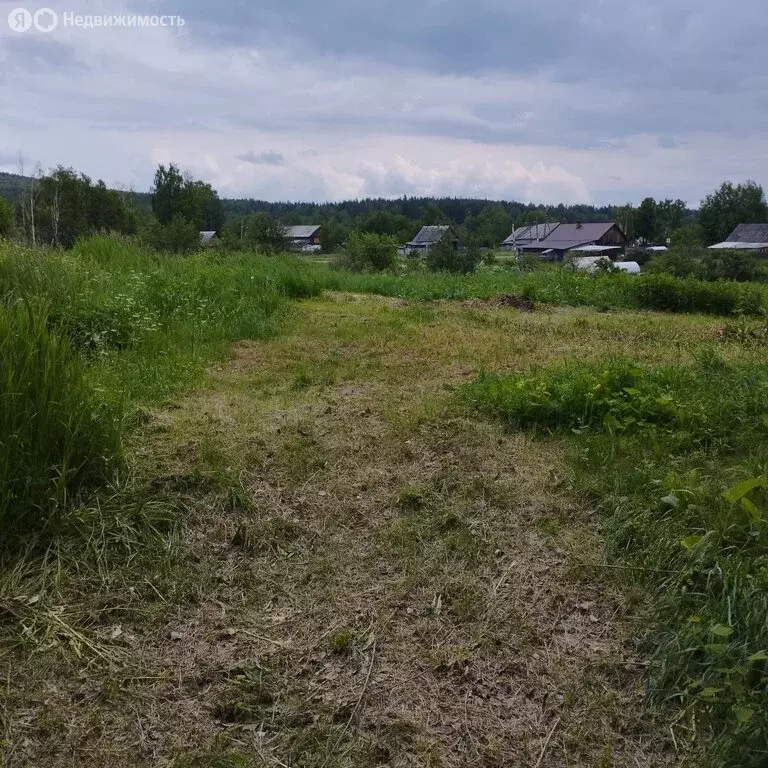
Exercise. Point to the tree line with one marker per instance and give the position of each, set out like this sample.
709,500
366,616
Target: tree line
59,207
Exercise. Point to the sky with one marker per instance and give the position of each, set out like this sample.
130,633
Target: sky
595,101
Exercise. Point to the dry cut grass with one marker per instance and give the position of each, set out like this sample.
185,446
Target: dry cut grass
343,569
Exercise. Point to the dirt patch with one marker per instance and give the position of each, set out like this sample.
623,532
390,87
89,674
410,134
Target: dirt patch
505,302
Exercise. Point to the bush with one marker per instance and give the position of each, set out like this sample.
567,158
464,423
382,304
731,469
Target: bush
180,236
734,265
667,293
445,257
710,266
55,436
369,252
680,263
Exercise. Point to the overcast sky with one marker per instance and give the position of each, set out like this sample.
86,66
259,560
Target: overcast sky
599,101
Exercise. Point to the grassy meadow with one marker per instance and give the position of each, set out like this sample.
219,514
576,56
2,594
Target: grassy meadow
261,512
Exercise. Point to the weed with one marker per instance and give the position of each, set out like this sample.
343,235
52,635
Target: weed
412,497
55,436
342,642
664,447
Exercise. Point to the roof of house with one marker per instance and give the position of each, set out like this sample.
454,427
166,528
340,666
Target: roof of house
596,248
749,233
531,233
429,235
572,235
301,231
737,245
206,237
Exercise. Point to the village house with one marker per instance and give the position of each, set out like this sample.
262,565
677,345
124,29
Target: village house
528,235
746,237
303,237
208,239
591,238
427,237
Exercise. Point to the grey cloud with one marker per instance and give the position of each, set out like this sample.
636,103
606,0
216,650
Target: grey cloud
654,42
568,76
267,157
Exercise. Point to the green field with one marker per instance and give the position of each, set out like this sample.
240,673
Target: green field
260,512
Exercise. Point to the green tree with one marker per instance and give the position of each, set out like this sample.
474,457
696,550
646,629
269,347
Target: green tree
334,233
670,215
646,221
369,252
264,233
625,218
105,210
492,225
444,256
195,204
686,237
167,193
180,236
200,205
722,211
7,218
529,218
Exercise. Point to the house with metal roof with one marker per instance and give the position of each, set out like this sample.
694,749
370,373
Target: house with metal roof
526,235
303,236
746,237
427,237
208,238
566,237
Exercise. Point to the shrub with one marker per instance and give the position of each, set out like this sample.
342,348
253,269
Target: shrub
369,252
180,236
445,257
55,437
680,263
734,265
667,293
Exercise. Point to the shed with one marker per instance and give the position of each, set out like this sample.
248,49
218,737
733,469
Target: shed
749,233
746,237
303,236
208,238
429,236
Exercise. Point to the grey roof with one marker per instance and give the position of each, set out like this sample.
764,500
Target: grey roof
749,233
524,235
572,235
206,237
737,245
429,235
596,248
301,232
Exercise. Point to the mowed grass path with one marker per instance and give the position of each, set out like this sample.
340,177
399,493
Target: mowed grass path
364,574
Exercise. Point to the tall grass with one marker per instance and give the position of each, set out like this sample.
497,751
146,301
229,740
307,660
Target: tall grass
562,286
678,457
55,435
89,335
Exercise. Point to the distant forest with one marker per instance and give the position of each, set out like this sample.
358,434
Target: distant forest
487,221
